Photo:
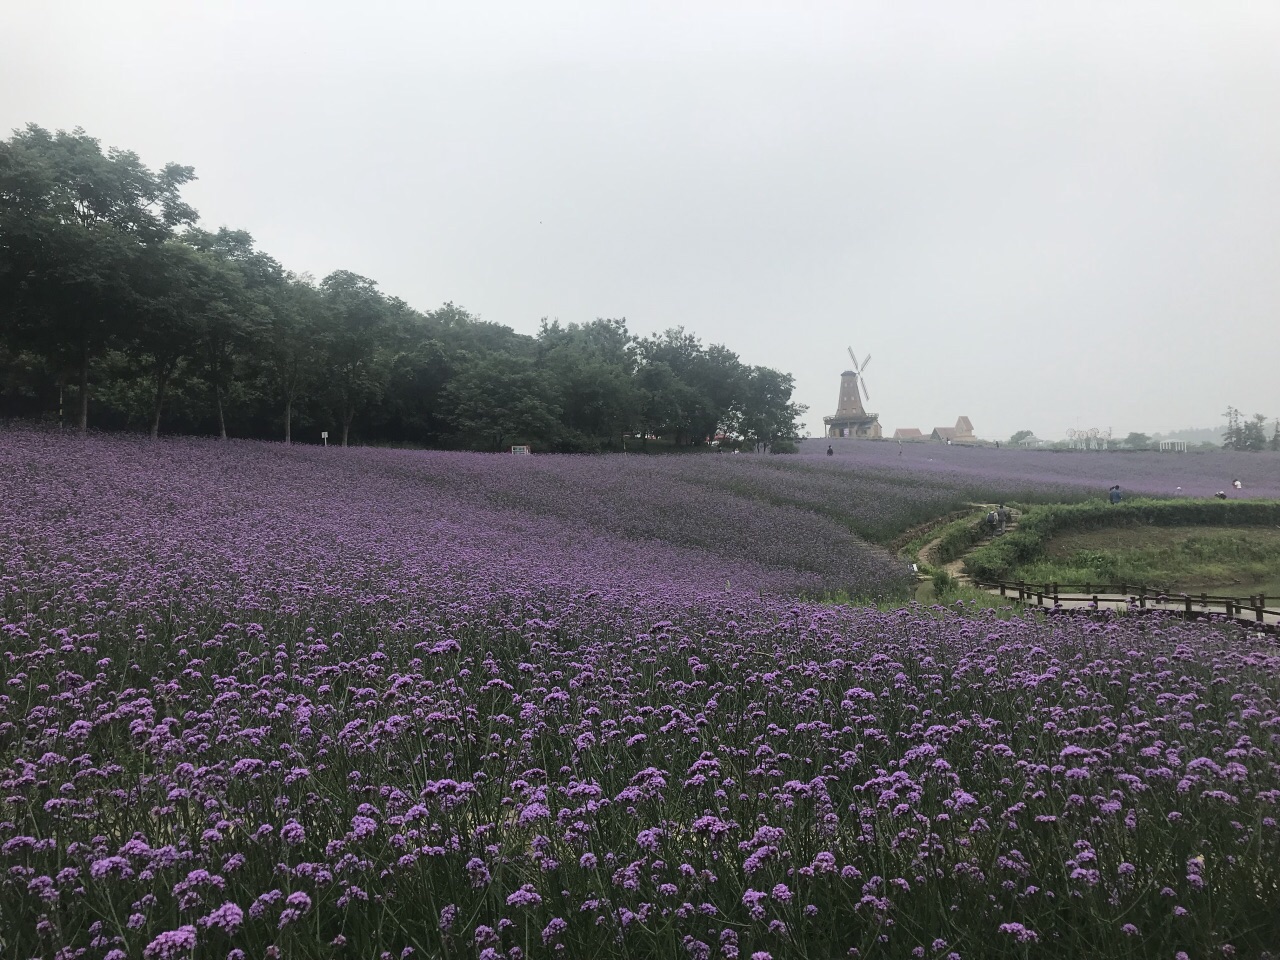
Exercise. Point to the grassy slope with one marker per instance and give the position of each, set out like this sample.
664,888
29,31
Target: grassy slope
1159,543
1168,557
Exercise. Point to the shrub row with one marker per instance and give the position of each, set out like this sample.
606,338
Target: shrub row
959,537
1037,525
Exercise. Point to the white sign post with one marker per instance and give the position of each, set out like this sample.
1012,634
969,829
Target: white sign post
324,435
520,449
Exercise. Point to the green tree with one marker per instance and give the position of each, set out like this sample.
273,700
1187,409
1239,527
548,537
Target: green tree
1021,435
769,416
593,368
247,281
1137,441
1232,436
497,401
354,328
71,221
289,353
1253,433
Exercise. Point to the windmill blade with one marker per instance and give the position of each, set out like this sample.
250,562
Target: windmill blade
852,357
864,388
866,361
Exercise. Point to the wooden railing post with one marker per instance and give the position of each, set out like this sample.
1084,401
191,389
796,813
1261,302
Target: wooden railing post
1187,599
1055,593
1022,589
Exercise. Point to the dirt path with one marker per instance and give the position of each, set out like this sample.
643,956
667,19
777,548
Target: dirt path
956,567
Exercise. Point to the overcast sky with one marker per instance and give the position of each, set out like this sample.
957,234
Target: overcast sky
1042,215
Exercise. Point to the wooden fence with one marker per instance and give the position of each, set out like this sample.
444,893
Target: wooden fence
1252,610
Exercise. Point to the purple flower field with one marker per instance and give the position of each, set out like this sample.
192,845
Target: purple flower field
1012,472
269,702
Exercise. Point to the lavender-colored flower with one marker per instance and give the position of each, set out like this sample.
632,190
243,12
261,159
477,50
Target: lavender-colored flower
1019,932
526,896
227,917
171,944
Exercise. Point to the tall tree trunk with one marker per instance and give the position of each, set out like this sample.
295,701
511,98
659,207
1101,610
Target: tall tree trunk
84,387
162,384
347,416
288,420
222,421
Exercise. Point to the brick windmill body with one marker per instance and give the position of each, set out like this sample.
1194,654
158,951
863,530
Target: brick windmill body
851,418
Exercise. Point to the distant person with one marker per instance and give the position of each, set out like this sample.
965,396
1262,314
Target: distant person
1237,484
1220,495
899,448
830,452
997,444
1002,518
1114,494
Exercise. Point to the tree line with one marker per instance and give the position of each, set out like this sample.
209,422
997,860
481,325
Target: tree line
118,311
1241,434
1244,433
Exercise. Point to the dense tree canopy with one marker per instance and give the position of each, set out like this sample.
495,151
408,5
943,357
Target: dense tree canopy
1248,434
115,305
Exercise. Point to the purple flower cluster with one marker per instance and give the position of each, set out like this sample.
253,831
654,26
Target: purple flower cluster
256,702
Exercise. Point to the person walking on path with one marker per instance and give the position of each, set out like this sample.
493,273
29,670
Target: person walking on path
830,452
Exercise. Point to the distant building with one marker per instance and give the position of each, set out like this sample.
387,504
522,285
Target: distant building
908,433
962,432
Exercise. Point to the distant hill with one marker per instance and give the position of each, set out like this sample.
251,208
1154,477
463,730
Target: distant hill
1194,435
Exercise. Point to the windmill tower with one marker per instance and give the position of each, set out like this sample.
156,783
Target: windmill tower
851,418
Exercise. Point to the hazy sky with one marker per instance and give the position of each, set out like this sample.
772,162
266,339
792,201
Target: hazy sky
1041,215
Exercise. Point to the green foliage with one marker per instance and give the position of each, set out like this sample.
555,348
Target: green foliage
958,537
201,332
1246,434
1037,525
942,581
1172,559
1137,441
1021,435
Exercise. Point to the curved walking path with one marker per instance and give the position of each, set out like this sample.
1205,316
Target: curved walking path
1247,616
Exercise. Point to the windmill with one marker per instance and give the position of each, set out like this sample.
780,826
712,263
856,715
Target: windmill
859,372
851,418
